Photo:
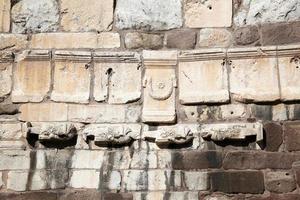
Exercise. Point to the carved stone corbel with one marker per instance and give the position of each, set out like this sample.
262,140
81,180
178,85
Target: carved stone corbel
174,135
111,135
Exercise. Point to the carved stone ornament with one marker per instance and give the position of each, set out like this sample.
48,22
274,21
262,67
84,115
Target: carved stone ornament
231,131
177,135
52,131
117,135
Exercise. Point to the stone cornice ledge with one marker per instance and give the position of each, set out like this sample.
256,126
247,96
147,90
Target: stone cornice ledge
116,57
80,56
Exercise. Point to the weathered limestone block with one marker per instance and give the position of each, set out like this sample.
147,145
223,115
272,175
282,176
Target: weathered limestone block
148,14
11,131
5,73
108,40
112,135
232,131
1,182
253,74
53,159
86,159
35,16
63,40
181,39
280,182
292,136
246,35
88,179
159,86
12,145
289,72
196,180
13,41
55,112
136,40
202,81
32,76
37,180
113,180
179,134
212,37
117,77
4,15
256,12
72,77
103,113
170,195
91,15
14,160
143,159
209,13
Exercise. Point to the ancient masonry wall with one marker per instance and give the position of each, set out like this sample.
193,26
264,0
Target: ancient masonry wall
149,99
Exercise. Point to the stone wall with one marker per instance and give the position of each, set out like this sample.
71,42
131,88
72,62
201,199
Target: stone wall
149,99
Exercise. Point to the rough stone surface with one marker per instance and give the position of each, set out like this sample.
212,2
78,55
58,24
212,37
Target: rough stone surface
88,179
5,78
256,12
246,35
14,160
46,195
91,15
13,41
11,131
196,180
1,182
5,15
274,136
238,182
30,16
148,14
108,40
181,39
78,194
44,112
87,159
280,182
211,13
209,37
292,136
136,40
296,171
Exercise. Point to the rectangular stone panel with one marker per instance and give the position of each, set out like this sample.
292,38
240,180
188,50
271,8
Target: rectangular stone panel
159,86
84,179
117,77
5,15
14,160
209,13
254,74
289,72
5,73
32,76
202,80
72,77
89,15
43,112
10,131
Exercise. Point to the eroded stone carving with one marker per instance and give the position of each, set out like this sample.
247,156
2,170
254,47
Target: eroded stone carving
115,135
168,135
231,131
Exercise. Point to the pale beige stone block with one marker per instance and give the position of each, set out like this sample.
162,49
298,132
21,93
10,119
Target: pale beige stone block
117,81
11,131
109,40
63,40
85,179
202,81
13,41
43,112
159,86
214,37
12,145
196,180
32,77
210,13
88,15
86,159
5,78
254,75
14,160
71,77
4,15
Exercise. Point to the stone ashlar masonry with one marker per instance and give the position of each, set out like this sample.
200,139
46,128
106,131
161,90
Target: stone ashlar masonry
149,100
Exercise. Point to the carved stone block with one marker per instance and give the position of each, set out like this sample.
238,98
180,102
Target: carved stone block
208,13
117,77
159,86
72,77
202,80
231,131
179,134
5,73
114,135
253,74
32,76
289,72
5,15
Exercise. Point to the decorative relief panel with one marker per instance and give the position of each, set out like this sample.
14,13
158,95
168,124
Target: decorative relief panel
32,76
159,86
72,76
254,74
117,77
112,135
6,60
289,70
203,76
